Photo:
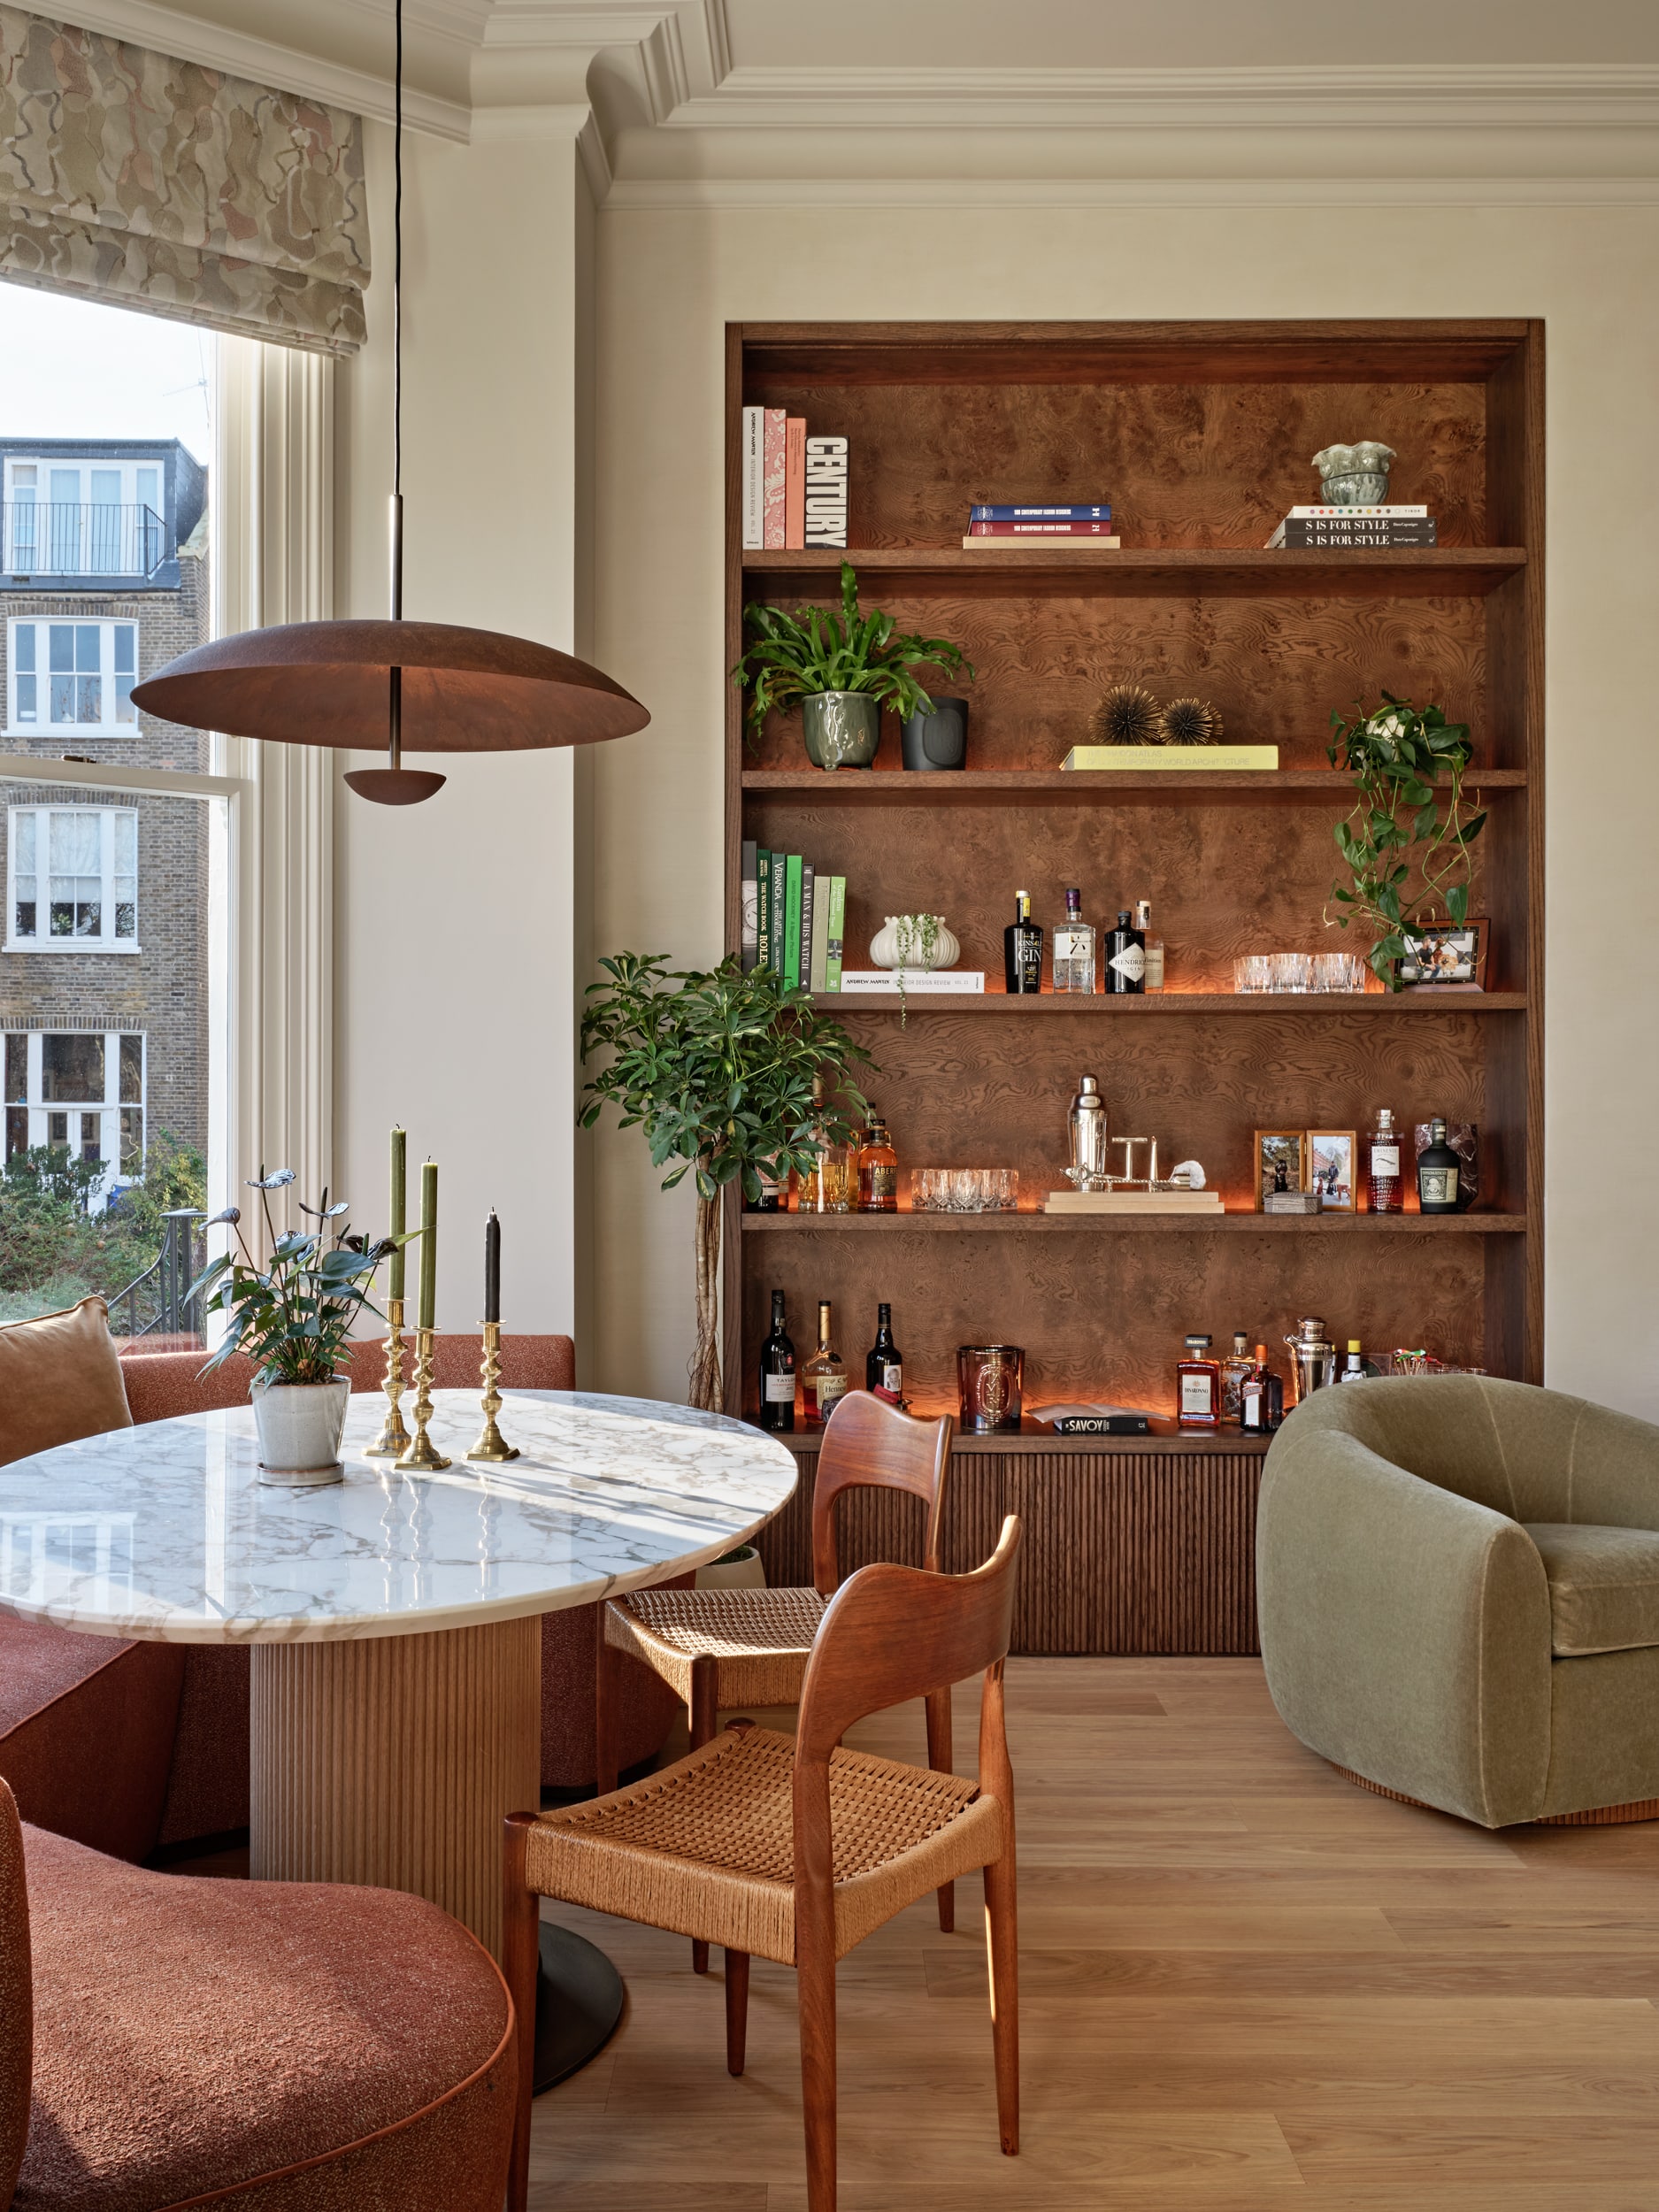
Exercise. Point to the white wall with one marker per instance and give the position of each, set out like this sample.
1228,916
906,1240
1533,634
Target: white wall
670,279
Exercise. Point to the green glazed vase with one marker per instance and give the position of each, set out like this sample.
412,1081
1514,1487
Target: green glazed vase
842,728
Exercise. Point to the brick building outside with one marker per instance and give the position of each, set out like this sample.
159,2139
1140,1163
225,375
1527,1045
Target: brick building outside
104,577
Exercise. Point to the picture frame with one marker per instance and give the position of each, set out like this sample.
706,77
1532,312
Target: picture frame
1444,957
1333,1159
1275,1147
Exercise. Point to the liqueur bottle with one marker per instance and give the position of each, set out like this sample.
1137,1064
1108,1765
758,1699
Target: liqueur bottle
1154,946
1235,1369
1074,948
1022,949
1437,1173
877,1169
777,1374
884,1366
1125,957
1198,1386
1261,1400
1385,1193
824,1378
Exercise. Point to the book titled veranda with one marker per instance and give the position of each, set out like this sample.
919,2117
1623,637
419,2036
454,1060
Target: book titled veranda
1141,757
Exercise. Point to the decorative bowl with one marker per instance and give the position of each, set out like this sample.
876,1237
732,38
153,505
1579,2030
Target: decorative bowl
1354,475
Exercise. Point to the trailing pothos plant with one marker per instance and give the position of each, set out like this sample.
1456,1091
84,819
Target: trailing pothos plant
793,657
716,1067
1406,843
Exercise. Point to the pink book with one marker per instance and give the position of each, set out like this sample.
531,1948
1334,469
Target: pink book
775,419
795,483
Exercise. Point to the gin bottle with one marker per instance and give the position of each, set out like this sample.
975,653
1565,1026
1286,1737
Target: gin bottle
1074,948
1154,946
1382,1180
1125,958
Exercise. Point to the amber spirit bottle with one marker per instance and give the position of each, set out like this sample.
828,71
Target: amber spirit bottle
1437,1173
824,1378
1198,1386
777,1374
1021,950
1074,948
1234,1369
1385,1191
884,1364
877,1169
1126,969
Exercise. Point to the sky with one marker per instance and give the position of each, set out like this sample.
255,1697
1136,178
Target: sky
70,368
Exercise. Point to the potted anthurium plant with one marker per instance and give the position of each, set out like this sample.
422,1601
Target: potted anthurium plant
716,1068
294,1317
843,667
1406,843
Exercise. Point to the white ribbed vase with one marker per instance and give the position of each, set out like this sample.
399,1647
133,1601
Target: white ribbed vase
300,1425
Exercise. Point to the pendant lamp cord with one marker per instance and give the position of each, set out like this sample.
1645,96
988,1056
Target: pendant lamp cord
396,700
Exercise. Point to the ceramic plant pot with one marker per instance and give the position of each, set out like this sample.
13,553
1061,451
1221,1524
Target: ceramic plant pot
893,946
842,728
1354,475
938,740
300,1425
738,1571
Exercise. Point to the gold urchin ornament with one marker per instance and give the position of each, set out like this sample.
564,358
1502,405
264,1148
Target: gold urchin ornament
1126,715
1190,722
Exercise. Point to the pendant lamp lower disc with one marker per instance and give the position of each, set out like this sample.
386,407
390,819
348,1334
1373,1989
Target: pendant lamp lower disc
394,786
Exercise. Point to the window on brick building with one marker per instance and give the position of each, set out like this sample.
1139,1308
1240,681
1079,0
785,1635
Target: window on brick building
79,1093
72,878
72,677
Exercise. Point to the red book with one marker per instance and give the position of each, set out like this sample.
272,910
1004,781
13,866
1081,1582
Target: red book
794,483
1040,529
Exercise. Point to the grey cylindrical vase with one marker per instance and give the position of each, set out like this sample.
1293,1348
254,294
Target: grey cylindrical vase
300,1426
842,728
938,740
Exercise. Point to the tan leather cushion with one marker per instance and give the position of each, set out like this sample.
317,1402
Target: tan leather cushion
1603,1587
59,1379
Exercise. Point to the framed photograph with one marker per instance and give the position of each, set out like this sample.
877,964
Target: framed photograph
1281,1162
1444,958
1331,1156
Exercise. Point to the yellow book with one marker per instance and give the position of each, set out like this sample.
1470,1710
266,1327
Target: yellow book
1140,757
1133,1202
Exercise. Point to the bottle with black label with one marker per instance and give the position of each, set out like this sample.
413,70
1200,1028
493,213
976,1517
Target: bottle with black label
1126,966
1356,1367
1021,950
777,1374
884,1366
1262,1399
1437,1167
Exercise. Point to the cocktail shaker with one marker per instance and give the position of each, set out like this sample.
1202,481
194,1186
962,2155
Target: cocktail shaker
1312,1359
1086,1125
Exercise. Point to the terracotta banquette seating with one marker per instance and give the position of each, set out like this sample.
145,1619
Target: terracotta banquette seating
262,2047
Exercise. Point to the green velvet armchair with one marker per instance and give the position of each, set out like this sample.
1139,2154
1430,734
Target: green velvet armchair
1459,1588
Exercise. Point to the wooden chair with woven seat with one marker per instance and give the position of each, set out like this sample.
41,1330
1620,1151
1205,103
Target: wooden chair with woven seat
796,1849
724,1650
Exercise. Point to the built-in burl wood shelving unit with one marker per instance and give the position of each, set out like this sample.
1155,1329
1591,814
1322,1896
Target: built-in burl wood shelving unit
1201,434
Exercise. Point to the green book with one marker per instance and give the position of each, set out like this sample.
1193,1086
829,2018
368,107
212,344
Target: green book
835,926
821,931
792,922
763,909
777,913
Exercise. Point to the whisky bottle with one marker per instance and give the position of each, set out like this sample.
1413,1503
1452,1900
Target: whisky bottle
824,1378
1154,946
877,1169
1198,1384
1022,949
1234,1369
1385,1192
884,1366
1125,957
1074,948
777,1374
1437,1173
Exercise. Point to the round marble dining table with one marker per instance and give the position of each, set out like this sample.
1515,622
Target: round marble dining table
394,1618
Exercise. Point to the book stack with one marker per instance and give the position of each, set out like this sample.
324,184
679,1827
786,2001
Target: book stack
794,487
1348,529
793,919
994,524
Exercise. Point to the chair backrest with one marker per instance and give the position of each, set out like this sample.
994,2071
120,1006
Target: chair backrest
17,2000
870,1445
161,1384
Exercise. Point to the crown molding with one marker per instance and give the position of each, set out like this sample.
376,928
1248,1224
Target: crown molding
635,193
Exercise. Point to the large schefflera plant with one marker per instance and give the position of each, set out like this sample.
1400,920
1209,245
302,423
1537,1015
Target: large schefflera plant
716,1067
794,657
1406,843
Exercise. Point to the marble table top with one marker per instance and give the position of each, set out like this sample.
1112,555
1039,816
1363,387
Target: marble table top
165,1531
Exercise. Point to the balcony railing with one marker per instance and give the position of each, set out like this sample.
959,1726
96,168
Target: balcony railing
66,538
157,1302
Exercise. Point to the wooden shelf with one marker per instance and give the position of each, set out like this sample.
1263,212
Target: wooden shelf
1436,571
1084,1007
1240,1224
855,786
1166,1441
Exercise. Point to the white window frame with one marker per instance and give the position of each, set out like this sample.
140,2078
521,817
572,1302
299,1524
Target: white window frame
42,726
44,940
109,1108
39,548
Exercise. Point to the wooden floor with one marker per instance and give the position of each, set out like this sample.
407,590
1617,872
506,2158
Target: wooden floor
1247,1986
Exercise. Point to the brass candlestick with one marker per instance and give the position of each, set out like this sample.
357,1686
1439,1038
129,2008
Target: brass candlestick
489,1445
392,1439
421,1458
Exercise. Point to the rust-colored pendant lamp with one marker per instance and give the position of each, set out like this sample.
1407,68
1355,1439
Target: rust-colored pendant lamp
429,687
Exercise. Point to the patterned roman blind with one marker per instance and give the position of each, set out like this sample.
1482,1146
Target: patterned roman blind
129,177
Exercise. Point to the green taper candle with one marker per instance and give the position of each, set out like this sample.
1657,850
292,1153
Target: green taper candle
427,1317
397,1219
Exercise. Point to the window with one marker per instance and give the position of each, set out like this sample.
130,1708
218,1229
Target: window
81,1090
73,880
83,517
73,676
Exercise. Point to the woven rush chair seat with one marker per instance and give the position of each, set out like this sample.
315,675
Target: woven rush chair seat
759,1639
707,1847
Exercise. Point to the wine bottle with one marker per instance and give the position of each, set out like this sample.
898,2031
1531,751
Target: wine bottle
1125,957
824,1378
1074,948
1383,1186
1356,1367
777,1374
884,1367
1022,949
1437,1167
